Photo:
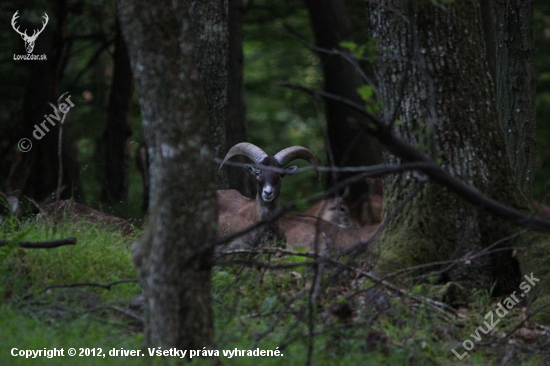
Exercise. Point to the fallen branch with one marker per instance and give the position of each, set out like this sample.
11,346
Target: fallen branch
42,244
92,284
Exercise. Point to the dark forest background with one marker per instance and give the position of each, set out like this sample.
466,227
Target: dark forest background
86,57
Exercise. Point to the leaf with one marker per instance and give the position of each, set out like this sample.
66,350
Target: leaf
356,51
366,92
350,46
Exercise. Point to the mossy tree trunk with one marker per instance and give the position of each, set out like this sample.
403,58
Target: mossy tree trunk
182,210
448,109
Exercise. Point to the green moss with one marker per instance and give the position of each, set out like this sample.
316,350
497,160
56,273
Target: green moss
534,259
99,256
408,240
451,293
542,316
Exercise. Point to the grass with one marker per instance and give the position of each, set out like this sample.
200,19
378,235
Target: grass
252,309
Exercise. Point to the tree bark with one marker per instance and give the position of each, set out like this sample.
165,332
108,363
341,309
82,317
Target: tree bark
235,123
448,109
209,27
160,41
347,138
515,67
489,37
118,130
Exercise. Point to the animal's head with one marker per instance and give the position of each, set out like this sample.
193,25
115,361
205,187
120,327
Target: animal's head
335,211
269,181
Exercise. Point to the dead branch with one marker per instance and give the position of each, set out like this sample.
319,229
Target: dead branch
439,306
409,153
59,147
42,244
92,284
311,306
106,43
529,316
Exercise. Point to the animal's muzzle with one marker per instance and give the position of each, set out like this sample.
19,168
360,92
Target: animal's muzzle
268,196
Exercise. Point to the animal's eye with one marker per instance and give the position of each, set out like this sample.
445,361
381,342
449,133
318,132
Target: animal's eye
257,172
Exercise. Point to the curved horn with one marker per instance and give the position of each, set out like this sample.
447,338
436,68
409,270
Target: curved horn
297,152
249,150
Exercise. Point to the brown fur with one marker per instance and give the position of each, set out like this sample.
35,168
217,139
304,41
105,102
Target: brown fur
312,232
371,208
237,212
333,210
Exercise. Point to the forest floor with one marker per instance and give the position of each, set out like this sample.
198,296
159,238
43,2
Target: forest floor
57,298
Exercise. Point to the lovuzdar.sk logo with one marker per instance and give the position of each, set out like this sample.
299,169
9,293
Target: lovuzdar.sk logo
29,40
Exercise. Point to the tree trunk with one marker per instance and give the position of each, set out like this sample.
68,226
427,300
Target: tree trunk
489,37
118,130
182,210
448,109
235,125
348,141
209,27
515,67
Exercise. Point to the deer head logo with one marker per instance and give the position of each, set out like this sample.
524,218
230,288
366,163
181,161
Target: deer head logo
29,40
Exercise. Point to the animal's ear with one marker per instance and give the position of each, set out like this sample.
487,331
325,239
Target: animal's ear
250,169
290,170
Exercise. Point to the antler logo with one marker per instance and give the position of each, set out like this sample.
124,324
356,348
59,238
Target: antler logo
29,40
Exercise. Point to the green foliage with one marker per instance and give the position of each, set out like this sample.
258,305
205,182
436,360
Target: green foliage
364,51
99,256
356,50
366,92
27,332
253,308
278,117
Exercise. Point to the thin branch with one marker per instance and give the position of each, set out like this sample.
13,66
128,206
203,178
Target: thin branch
373,172
312,302
409,153
379,169
92,284
91,61
59,148
42,244
531,314
344,54
441,307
